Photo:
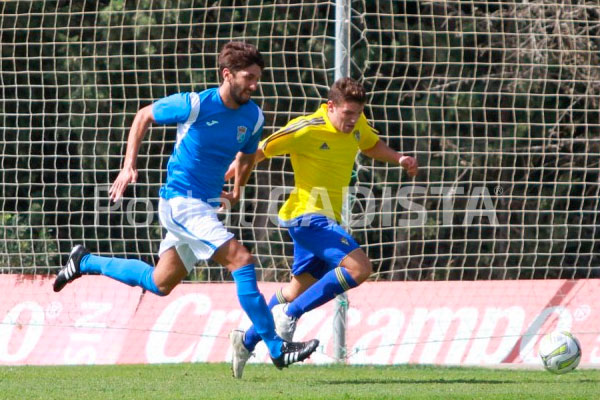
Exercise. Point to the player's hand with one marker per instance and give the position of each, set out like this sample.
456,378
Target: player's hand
228,200
126,176
231,170
410,165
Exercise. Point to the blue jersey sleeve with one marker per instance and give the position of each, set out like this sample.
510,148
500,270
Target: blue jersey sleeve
252,144
172,109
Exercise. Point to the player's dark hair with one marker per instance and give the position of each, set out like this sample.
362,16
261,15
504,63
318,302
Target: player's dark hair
236,56
347,89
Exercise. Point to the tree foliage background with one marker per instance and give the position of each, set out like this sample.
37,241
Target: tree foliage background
501,95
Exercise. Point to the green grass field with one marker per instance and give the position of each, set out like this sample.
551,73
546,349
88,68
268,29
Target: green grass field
213,381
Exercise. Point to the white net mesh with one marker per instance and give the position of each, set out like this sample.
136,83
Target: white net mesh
497,100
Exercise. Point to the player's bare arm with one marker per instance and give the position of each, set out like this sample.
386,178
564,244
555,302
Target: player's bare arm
240,169
129,173
382,152
258,157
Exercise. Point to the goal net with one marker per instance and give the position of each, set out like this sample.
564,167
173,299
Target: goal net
498,101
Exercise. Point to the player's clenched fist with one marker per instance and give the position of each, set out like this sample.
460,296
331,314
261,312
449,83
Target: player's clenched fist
410,165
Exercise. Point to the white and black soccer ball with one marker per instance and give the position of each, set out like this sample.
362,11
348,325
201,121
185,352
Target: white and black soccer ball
560,352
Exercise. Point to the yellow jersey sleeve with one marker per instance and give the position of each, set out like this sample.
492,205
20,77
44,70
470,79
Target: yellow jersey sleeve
284,141
369,136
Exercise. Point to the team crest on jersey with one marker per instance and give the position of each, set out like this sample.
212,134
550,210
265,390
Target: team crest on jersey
357,135
241,133
344,241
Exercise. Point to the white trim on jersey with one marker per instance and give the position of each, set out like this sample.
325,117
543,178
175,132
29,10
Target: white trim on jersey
182,129
259,120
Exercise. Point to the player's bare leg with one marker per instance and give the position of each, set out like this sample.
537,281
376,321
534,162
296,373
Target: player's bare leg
297,285
169,271
358,265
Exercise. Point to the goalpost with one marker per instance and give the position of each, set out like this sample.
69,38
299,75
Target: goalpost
498,100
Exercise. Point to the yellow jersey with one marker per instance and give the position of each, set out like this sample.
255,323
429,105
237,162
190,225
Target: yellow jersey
322,159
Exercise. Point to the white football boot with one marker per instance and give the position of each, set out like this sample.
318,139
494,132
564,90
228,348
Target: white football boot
285,326
240,353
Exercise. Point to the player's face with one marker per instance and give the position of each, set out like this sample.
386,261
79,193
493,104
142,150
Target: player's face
243,83
344,115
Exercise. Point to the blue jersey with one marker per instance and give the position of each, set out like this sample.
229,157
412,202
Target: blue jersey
209,135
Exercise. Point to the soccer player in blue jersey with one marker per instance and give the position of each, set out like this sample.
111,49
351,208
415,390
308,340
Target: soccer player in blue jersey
327,260
214,127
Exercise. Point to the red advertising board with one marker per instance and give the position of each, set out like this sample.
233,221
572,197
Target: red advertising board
99,321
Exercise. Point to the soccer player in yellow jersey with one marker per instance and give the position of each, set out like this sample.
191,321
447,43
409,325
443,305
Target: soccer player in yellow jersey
327,260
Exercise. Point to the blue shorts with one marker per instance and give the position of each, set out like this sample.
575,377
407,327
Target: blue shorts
320,244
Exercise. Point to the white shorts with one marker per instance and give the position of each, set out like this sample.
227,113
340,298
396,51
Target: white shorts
192,228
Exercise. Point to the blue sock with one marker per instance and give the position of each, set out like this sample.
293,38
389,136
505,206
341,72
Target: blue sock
253,303
330,285
251,338
132,272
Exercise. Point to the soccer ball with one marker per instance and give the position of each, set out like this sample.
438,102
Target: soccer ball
560,352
